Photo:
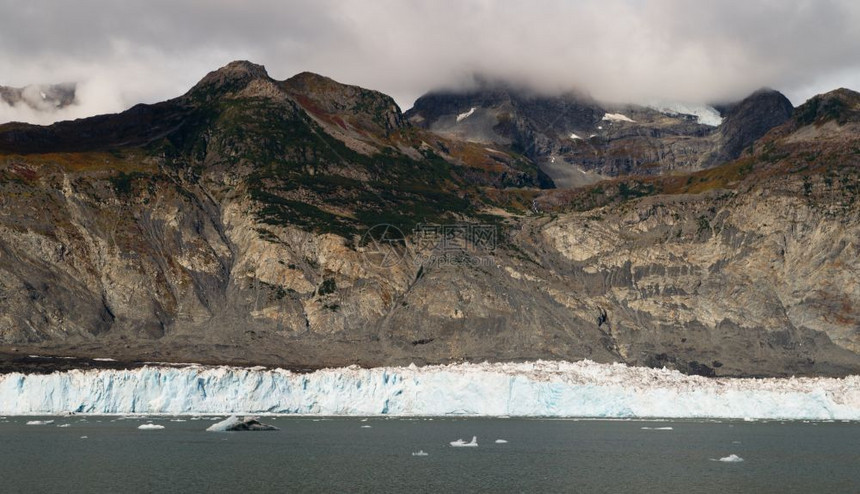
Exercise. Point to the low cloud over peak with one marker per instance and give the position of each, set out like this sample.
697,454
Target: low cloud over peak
122,53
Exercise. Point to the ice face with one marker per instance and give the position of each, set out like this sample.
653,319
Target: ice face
549,389
704,114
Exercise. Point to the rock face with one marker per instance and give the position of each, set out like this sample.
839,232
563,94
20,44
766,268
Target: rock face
234,224
748,121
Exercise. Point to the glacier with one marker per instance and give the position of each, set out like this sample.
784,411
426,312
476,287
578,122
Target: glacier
530,389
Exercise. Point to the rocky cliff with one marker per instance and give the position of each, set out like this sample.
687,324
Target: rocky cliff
235,224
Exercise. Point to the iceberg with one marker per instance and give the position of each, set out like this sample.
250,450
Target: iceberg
526,389
459,443
236,424
39,422
150,427
732,458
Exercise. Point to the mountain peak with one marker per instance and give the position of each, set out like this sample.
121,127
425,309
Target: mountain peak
240,69
841,105
748,120
321,95
306,82
232,77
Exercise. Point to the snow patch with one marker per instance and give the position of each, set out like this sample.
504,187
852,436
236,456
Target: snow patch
575,137
617,117
465,115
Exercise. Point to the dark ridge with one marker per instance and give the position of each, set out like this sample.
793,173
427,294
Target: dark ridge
840,105
749,120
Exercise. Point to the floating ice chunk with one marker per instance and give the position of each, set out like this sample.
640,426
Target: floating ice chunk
236,424
732,458
177,420
501,441
63,425
420,452
222,426
459,443
83,437
465,115
365,427
657,428
150,427
104,359
39,422
617,117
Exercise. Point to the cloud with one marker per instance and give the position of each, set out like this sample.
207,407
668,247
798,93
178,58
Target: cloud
123,52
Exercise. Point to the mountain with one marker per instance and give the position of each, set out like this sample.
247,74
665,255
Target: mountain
42,97
578,141
235,224
747,121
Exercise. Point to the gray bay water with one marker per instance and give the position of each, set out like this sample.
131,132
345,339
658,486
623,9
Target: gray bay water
343,455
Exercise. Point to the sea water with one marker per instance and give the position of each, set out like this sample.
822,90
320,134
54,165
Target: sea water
112,454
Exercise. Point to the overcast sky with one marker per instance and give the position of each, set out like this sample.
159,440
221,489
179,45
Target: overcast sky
124,52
